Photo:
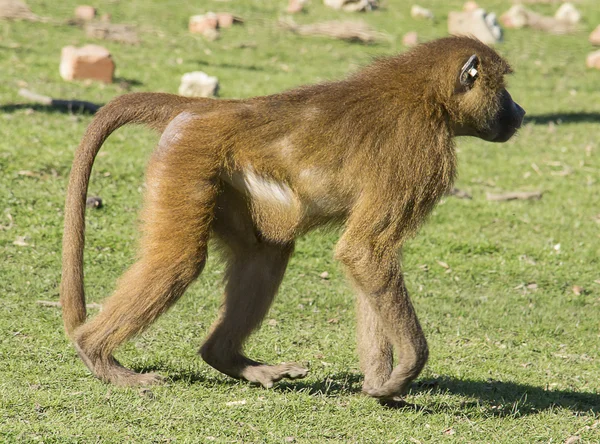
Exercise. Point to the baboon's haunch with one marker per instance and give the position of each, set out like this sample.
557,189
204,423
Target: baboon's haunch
374,152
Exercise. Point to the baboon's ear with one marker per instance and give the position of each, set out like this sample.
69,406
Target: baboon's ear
469,72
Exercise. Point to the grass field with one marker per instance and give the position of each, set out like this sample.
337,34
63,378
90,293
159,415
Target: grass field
515,352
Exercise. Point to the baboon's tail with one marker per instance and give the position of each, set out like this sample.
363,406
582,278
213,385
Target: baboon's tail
153,109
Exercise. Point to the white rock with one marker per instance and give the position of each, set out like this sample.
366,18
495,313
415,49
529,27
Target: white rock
568,13
198,84
352,5
516,17
478,24
419,12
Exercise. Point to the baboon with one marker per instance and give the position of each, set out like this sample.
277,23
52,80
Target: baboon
373,153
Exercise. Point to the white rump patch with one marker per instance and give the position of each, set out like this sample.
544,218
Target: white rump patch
173,131
267,190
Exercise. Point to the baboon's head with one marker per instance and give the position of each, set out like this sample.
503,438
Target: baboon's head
477,101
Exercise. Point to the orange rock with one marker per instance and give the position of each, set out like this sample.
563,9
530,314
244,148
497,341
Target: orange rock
470,6
201,24
595,36
85,13
410,39
225,20
88,62
593,60
295,6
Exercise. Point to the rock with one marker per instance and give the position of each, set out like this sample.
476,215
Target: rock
335,4
593,60
478,24
595,36
93,202
515,17
88,62
206,24
567,13
563,22
198,84
296,6
352,5
470,6
85,13
16,10
419,12
225,20
410,39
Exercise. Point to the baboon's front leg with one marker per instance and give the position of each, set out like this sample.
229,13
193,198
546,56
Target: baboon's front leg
376,274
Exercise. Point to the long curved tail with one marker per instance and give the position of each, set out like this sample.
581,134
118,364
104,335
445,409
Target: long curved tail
153,109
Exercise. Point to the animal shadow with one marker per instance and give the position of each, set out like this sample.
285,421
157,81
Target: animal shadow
567,117
511,398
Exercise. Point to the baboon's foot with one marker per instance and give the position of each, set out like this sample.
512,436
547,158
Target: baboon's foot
238,366
387,391
389,388
370,384
111,371
267,375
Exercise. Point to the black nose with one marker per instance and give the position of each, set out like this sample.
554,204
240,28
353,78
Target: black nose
520,112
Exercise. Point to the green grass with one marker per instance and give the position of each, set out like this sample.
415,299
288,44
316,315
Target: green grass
510,361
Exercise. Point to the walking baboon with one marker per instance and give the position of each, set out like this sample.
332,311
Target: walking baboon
373,152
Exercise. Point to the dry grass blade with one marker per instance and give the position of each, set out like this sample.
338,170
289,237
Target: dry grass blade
352,31
91,305
113,32
516,195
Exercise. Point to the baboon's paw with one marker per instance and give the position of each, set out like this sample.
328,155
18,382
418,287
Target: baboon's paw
267,375
373,383
387,391
111,371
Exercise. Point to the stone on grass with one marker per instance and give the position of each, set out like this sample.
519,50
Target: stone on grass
567,13
516,17
419,12
352,5
198,84
85,13
205,24
593,60
296,6
478,24
595,36
470,6
225,20
91,62
16,10
565,20
410,39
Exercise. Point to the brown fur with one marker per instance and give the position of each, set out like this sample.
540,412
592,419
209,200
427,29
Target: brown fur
374,151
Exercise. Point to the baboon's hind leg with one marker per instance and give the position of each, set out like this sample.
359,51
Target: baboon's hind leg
255,269
374,348
178,214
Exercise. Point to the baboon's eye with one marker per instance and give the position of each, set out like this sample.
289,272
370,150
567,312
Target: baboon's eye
469,72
